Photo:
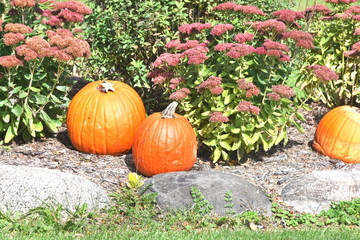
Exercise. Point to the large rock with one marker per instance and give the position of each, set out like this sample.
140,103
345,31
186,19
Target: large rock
24,188
315,191
174,192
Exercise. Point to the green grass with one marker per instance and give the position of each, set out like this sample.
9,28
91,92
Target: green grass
301,5
244,234
134,216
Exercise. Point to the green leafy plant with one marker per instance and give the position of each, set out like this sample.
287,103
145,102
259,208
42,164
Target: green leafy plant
47,219
240,88
201,205
336,30
39,45
341,213
132,205
344,212
229,202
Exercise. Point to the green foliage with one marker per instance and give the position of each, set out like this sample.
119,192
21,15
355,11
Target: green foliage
132,205
201,205
237,132
229,202
48,219
33,88
125,36
341,213
334,37
134,210
344,213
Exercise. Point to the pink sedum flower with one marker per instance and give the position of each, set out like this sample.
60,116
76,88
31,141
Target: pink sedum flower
217,90
248,107
210,83
13,38
167,59
22,3
244,85
179,94
302,39
220,29
323,73
223,47
318,8
196,55
226,6
354,52
65,41
288,15
274,49
17,28
61,55
10,61
239,50
193,28
174,82
160,76
254,91
218,117
357,31
244,37
273,96
25,51
71,16
283,91
251,89
268,26
249,9
75,6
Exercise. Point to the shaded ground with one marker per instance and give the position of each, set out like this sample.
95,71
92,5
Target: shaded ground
270,170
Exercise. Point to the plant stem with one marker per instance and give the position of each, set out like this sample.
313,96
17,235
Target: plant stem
32,73
60,71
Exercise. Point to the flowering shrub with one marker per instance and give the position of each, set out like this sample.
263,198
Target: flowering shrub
238,86
336,30
39,43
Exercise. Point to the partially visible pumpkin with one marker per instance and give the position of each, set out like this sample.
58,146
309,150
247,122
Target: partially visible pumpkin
338,134
103,117
164,142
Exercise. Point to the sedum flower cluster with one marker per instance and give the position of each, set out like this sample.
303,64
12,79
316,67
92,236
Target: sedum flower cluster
236,82
40,41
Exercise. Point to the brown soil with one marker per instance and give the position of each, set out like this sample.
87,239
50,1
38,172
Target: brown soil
270,170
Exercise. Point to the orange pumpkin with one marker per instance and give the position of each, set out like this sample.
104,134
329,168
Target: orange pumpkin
164,142
338,134
103,117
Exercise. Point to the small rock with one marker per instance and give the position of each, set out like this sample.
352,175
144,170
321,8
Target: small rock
24,188
174,191
315,191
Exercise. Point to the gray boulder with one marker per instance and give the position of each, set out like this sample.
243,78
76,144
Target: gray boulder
174,192
315,191
23,188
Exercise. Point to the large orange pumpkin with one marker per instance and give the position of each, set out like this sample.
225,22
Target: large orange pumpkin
164,142
338,134
103,117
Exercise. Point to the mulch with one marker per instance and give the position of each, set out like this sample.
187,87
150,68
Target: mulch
270,170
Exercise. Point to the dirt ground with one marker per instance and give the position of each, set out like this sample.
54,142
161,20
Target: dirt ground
270,170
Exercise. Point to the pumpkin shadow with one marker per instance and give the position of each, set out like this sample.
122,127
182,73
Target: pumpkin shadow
64,139
130,162
261,155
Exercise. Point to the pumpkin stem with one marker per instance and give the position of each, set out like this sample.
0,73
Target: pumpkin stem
169,110
106,86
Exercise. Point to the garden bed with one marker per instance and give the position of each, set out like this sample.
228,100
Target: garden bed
270,170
